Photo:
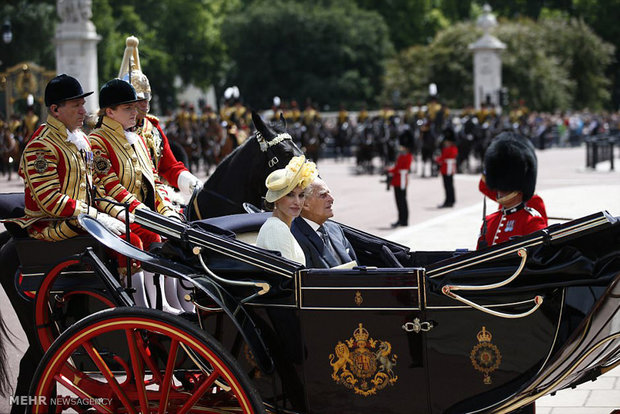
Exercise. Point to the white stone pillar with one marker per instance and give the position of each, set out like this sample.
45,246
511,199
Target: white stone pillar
487,62
76,47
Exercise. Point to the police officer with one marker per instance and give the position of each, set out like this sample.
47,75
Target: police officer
148,126
510,171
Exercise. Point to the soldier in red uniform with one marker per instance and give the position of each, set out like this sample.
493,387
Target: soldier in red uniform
447,167
510,170
399,180
174,172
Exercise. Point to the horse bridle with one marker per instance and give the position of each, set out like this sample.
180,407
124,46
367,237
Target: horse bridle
265,146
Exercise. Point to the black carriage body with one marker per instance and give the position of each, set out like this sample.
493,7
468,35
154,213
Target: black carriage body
356,340
387,335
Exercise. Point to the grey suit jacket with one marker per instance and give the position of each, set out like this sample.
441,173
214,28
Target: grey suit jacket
317,255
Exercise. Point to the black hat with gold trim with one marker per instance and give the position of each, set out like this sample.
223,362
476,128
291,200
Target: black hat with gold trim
131,71
63,88
117,92
510,164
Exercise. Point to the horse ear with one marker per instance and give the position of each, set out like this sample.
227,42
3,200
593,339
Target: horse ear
261,127
283,120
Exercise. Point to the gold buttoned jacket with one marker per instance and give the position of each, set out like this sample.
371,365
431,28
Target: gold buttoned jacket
58,181
124,173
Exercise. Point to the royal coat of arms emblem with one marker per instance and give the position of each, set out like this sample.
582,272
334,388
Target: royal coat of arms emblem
363,364
485,357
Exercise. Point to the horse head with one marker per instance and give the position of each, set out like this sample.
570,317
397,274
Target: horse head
240,177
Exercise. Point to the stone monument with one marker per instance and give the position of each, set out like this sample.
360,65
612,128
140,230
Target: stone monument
76,46
487,62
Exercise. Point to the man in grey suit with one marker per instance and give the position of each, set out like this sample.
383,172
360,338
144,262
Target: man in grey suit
323,242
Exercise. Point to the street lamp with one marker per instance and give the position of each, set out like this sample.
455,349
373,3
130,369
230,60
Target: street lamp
7,34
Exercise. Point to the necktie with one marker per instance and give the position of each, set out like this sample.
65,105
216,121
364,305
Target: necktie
328,244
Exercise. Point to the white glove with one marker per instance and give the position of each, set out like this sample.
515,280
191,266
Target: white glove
187,182
115,226
121,216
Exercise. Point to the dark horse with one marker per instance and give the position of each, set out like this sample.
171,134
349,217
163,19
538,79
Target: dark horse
240,177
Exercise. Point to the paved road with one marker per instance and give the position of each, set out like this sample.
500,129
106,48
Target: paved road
568,189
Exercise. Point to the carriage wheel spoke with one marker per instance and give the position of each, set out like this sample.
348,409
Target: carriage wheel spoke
138,368
202,389
148,358
166,384
108,375
67,383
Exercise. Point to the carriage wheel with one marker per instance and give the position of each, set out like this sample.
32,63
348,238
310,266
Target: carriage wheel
128,360
56,312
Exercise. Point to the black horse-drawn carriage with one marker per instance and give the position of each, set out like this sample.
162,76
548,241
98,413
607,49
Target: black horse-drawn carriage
403,332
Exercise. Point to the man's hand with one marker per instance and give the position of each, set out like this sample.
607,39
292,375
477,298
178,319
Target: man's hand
123,215
115,226
187,182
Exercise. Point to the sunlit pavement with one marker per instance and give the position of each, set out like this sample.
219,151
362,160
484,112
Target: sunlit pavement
568,188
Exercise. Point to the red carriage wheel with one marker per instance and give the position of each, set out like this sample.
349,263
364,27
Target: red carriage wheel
174,368
51,309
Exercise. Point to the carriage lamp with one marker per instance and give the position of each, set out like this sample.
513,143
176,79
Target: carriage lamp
7,34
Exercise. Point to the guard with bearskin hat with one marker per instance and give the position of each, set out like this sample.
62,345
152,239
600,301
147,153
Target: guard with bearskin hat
510,168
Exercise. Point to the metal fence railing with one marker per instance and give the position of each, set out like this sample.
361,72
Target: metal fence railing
600,148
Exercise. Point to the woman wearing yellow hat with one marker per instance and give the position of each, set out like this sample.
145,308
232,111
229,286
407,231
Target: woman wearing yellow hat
285,194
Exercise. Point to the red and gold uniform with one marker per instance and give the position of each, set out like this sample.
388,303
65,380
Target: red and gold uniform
536,202
362,116
343,116
157,143
511,222
58,182
125,172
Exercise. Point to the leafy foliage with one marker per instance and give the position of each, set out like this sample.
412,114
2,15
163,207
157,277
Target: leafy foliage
177,38
30,24
551,64
302,50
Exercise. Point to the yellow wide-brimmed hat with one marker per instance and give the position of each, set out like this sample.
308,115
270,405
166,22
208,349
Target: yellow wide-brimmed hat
298,172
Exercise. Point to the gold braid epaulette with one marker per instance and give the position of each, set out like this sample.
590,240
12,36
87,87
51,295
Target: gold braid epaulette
153,119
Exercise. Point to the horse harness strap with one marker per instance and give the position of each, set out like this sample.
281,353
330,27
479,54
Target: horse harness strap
266,145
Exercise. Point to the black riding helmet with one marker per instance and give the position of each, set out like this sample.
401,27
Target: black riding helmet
63,88
117,92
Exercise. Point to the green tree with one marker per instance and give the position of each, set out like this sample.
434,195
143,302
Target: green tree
330,54
544,63
32,25
412,22
177,38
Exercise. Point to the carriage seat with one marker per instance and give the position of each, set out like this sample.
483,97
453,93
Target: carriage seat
37,257
12,206
244,226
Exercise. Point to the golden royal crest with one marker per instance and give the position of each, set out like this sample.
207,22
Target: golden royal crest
40,164
485,357
363,364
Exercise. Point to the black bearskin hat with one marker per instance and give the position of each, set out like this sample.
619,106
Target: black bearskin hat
510,164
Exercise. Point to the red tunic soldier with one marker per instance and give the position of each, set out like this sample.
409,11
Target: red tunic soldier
168,168
447,167
399,180
510,170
